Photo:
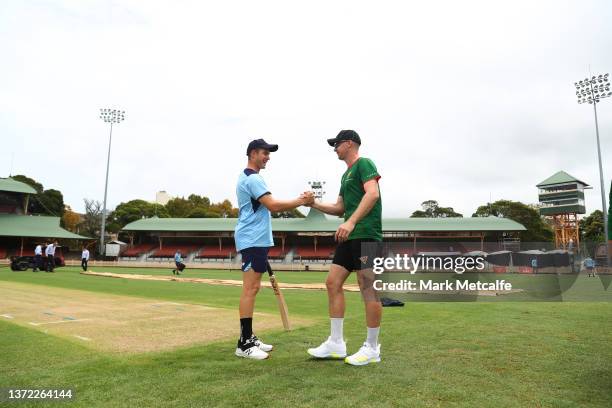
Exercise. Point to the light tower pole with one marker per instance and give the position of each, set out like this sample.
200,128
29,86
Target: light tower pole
591,91
109,116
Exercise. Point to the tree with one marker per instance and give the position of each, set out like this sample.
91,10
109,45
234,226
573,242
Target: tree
71,220
199,212
200,207
295,213
528,216
431,209
592,227
50,202
179,207
46,202
31,182
197,201
225,209
92,219
132,211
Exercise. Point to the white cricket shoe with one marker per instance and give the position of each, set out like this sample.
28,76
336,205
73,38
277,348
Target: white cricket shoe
252,352
329,349
366,355
262,346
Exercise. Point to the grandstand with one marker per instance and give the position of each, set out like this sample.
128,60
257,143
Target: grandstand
299,242
168,251
215,254
20,232
209,241
310,240
138,250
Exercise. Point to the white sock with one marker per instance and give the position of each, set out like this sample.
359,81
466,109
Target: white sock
336,329
372,338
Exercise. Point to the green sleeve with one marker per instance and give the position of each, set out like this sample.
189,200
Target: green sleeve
367,171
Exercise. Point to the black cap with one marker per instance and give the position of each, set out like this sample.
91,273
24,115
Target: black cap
261,144
345,135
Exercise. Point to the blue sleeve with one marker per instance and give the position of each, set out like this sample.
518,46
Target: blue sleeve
256,186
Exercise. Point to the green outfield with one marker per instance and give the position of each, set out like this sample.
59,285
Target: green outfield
182,336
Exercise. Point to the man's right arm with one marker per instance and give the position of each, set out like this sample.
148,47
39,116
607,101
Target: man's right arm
258,190
275,205
332,209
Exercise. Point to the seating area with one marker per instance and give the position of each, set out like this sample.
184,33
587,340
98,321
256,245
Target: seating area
8,208
399,249
138,250
8,252
213,252
29,251
276,253
407,248
168,251
74,255
309,252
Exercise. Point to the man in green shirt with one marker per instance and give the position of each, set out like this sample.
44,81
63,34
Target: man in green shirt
358,240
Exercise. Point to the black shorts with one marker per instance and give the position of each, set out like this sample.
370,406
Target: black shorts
179,265
255,258
357,254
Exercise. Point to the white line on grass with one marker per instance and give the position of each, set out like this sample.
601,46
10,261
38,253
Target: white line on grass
8,316
58,321
82,338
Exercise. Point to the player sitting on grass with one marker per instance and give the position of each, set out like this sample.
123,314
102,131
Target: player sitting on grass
253,236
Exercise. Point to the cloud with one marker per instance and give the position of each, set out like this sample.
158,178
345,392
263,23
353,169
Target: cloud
457,102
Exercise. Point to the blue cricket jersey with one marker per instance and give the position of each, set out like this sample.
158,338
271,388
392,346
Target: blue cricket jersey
254,228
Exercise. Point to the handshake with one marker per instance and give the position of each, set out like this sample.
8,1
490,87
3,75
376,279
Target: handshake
306,198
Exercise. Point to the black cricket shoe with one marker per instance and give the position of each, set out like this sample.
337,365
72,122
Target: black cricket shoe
248,349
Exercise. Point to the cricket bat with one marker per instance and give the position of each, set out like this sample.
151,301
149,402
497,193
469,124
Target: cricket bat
282,306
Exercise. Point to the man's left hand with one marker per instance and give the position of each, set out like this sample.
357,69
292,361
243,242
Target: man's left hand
344,231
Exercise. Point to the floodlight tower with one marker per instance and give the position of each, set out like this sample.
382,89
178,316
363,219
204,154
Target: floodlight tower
592,91
109,116
562,198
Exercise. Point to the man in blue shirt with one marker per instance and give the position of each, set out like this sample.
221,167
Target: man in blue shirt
589,264
534,265
178,261
253,237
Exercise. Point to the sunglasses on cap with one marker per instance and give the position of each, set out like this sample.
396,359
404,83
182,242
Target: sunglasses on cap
339,142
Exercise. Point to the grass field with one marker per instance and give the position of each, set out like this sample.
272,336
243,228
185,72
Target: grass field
435,354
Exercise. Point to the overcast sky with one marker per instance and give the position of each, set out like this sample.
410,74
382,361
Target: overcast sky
454,101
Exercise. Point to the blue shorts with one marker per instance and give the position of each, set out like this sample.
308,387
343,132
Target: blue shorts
255,258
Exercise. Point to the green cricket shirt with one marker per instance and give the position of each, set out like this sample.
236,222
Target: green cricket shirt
351,191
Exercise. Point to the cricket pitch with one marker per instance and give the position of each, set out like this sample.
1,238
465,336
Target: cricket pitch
121,324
